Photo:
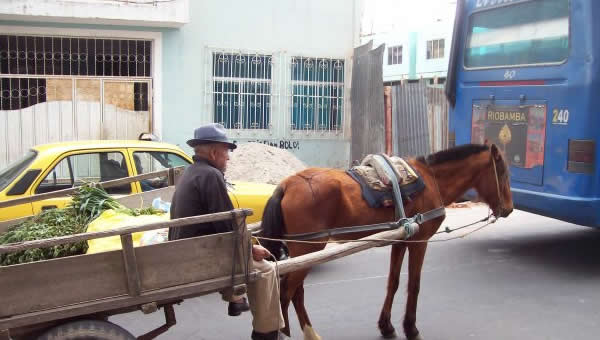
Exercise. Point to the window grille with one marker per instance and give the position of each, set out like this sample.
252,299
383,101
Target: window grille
46,55
317,94
18,93
242,90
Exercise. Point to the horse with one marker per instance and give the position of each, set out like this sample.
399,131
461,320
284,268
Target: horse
316,199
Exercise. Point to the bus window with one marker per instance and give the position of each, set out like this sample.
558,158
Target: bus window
534,32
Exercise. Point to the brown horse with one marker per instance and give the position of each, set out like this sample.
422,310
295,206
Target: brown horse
318,198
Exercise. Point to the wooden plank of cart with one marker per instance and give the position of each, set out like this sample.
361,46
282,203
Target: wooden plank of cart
80,293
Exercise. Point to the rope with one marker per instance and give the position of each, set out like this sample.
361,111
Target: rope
448,230
491,221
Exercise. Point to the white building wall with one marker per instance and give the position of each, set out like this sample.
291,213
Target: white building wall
430,68
392,22
283,29
182,86
390,39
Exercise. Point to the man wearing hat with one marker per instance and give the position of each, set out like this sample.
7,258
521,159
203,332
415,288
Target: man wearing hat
202,190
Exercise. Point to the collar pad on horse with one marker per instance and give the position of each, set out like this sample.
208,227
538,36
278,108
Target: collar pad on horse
390,171
372,169
377,185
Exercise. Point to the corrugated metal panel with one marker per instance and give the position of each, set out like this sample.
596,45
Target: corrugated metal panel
437,109
368,117
419,119
410,130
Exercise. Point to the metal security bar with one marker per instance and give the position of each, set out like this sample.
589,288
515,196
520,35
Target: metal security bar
317,96
22,92
65,56
242,91
260,94
242,88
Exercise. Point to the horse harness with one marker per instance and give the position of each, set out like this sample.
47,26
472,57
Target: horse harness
410,224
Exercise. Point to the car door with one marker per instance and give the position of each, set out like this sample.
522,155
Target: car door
76,168
15,181
151,160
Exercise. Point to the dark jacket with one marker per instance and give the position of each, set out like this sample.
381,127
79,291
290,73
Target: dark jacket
200,190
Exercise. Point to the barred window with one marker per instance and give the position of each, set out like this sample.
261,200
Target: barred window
435,49
395,55
242,90
44,55
19,93
317,93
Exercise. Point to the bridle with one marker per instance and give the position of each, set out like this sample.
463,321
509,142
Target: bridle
485,219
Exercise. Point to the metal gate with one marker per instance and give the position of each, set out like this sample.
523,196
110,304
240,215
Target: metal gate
55,89
65,109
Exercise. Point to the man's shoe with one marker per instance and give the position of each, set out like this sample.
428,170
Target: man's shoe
274,335
236,308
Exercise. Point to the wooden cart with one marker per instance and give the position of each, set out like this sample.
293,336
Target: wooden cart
76,294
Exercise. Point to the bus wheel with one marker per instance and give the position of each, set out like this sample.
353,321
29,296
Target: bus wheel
87,330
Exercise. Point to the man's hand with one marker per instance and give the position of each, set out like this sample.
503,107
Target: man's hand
260,253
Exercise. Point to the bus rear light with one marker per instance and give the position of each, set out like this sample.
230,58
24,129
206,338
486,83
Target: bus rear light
582,156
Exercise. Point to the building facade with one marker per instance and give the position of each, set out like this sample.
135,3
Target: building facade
273,72
417,49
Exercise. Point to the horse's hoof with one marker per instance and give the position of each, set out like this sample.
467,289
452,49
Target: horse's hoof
416,337
310,334
385,327
389,335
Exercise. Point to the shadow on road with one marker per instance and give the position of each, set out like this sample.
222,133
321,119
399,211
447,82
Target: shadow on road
573,251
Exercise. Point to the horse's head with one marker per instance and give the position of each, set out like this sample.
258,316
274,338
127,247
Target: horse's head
493,186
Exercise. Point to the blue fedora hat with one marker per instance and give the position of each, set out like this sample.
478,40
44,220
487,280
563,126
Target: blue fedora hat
210,133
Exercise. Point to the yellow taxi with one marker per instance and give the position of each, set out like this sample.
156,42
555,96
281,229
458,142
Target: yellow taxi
51,167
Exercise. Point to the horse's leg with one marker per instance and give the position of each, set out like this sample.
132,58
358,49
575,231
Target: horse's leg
415,264
298,300
396,257
295,289
285,299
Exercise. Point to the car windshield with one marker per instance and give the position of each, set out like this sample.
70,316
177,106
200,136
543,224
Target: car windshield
8,174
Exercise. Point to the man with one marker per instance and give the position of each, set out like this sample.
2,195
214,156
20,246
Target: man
202,190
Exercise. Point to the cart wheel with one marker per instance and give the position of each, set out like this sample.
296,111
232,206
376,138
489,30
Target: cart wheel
87,330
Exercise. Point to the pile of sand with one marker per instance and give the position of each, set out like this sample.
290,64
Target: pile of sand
257,162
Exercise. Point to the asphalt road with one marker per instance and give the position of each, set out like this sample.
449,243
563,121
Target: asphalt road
525,277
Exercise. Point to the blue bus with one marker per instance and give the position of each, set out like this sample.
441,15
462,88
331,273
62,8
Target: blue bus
525,74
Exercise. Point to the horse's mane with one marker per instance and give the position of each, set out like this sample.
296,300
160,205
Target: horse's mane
453,154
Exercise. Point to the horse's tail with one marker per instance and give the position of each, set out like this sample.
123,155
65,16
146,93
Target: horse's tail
272,223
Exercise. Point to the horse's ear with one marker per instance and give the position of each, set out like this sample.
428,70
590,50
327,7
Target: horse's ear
496,152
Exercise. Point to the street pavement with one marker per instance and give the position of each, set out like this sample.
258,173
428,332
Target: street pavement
524,277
